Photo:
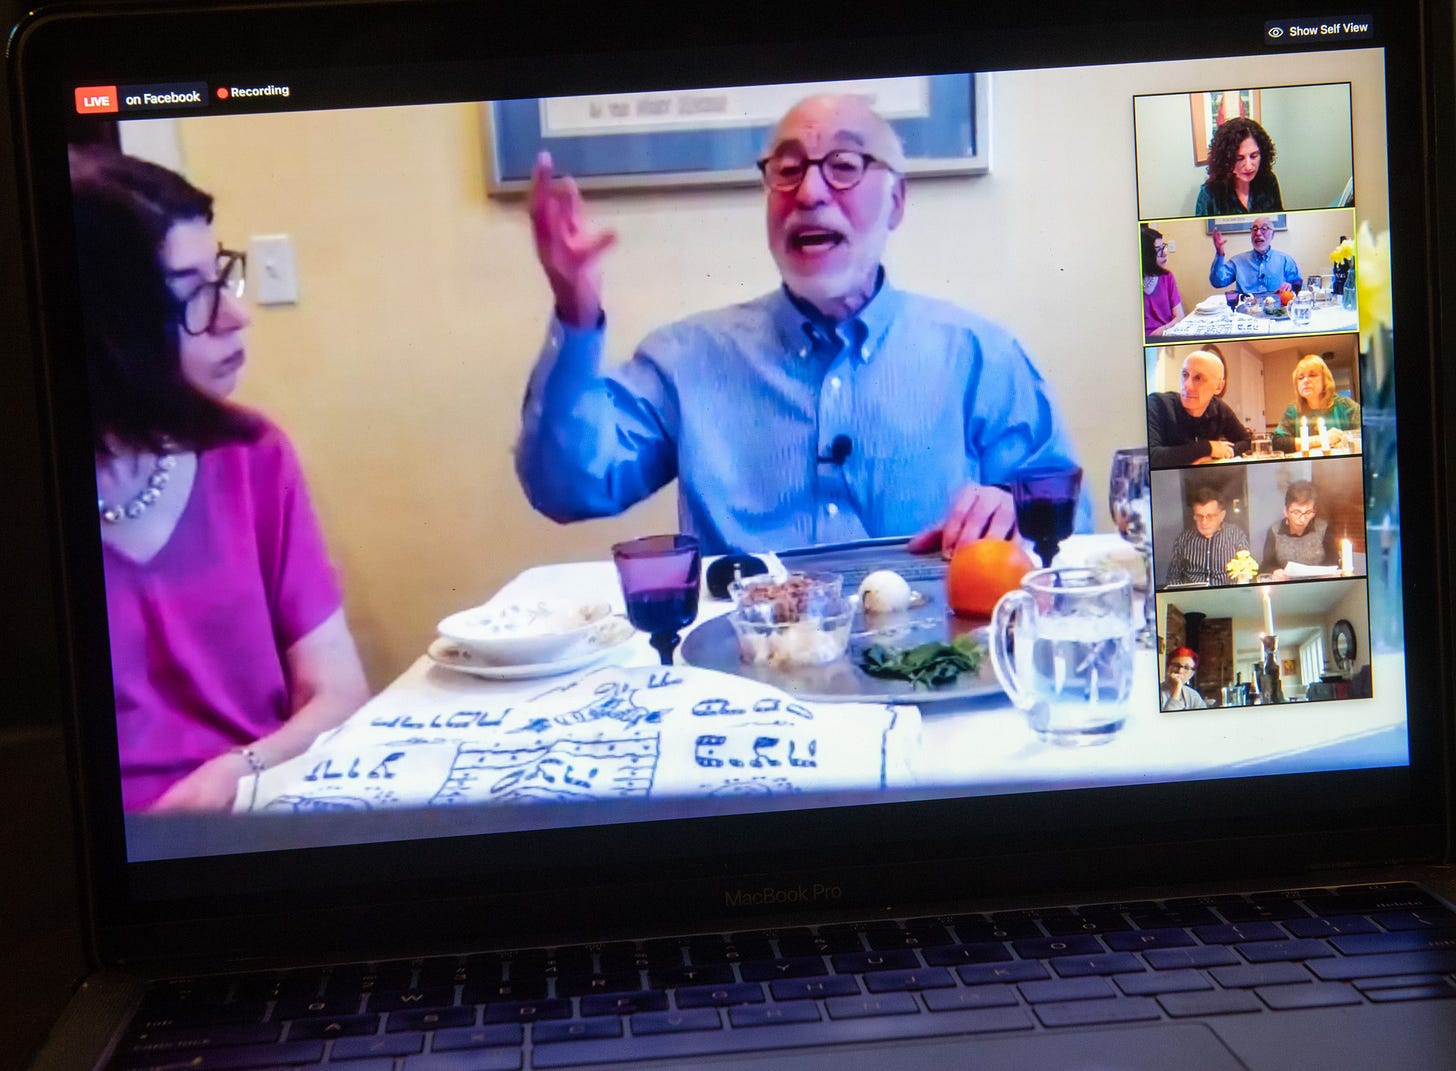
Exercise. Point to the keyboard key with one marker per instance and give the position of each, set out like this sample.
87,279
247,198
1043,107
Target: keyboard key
1426,919
675,1022
576,1030
527,1011
1268,911
378,1045
880,940
1273,951
1025,970
1058,989
1315,995
1200,956
1152,983
860,962
973,929
976,996
1236,933
954,955
1107,963
429,1019
773,1014
804,943
1087,1012
624,1003
1085,923
1253,974
1217,1002
908,981
1047,947
871,1006
1331,927
201,1037
236,1058
388,1001
1434,961
720,996
321,1007
478,1037
1142,940
1174,917
452,970
485,1060
672,977
235,1011
337,1027
1409,941
1396,981
836,985
581,985
480,991
1432,991
764,970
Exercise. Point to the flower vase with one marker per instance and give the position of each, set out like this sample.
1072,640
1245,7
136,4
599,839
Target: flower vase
1347,298
1337,281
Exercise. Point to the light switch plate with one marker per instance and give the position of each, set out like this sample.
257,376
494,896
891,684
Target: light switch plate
272,269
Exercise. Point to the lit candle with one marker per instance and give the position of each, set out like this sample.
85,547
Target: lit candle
1268,614
1347,558
1304,434
1324,434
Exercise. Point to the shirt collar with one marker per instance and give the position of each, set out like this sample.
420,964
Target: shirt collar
865,331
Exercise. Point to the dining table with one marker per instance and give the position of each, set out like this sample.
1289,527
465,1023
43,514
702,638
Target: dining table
1325,319
344,787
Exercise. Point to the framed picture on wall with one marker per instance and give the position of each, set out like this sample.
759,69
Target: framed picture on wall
713,137
1209,110
1241,224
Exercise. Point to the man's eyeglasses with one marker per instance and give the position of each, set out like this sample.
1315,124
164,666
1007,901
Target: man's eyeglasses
197,312
842,169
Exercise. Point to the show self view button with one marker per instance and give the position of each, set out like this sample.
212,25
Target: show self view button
1303,31
165,96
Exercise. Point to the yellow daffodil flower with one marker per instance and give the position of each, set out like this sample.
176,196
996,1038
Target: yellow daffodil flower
1372,284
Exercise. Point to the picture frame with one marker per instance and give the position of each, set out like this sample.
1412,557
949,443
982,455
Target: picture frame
712,137
1236,224
1205,110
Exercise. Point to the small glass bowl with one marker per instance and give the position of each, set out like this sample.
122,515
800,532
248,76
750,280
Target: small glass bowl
821,634
770,601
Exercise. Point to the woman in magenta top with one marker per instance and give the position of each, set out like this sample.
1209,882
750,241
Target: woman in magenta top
1162,304
229,648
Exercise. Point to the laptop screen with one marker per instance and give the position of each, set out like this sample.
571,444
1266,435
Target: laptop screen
385,374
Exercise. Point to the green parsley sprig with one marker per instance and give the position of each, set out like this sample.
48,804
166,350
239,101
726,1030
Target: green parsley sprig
927,665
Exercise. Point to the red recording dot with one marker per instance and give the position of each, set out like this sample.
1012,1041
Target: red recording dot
222,93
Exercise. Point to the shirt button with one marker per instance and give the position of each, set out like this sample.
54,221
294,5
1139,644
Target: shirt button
834,382
864,351
832,509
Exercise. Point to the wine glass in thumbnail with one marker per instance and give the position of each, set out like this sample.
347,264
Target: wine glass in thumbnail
1130,497
1233,297
659,577
1046,509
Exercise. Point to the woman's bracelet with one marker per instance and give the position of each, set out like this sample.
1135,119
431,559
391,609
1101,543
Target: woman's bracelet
255,761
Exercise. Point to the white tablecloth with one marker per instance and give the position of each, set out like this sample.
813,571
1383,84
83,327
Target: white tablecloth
1324,320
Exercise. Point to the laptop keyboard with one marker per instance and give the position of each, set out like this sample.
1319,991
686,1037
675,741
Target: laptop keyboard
768,989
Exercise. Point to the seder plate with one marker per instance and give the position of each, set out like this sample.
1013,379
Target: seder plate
713,645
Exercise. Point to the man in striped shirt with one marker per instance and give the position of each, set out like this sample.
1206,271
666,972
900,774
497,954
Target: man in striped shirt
1201,554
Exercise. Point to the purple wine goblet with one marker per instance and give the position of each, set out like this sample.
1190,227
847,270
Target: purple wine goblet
659,577
1046,509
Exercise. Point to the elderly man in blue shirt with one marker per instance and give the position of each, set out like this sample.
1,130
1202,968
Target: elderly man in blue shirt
1262,270
835,408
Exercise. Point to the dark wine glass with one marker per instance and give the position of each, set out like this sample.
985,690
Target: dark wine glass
1298,285
1232,297
660,585
1046,509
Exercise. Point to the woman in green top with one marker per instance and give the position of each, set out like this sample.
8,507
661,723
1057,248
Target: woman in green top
1240,172
1315,397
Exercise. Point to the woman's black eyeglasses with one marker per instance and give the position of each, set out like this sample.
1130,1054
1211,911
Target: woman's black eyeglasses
197,312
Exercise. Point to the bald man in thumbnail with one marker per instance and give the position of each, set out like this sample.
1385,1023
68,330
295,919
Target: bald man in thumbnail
1193,425
834,408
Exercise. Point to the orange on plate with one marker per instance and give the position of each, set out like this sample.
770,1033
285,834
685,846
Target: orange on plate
981,572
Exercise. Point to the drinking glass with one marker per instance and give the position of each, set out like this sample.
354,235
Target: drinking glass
1046,509
1071,669
1130,498
660,584
1232,297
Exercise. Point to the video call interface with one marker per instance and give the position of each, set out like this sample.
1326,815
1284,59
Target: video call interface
1057,282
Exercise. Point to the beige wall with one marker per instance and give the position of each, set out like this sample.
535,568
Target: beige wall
1310,127
399,373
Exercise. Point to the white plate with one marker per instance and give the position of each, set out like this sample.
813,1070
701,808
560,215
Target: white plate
609,640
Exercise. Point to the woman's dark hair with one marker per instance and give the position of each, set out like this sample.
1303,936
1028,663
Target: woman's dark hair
124,208
1150,254
1223,150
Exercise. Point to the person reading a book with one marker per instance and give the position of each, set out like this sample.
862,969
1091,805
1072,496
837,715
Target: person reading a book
1300,536
1262,269
1193,425
229,647
834,408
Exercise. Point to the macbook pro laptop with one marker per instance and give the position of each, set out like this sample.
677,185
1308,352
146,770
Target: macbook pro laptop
352,317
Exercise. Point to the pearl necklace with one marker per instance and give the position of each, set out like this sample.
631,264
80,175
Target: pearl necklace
148,495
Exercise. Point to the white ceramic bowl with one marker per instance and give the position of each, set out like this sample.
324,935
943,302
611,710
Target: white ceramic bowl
527,633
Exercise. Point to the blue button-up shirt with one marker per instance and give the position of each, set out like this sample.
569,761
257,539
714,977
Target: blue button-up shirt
1257,273
741,403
